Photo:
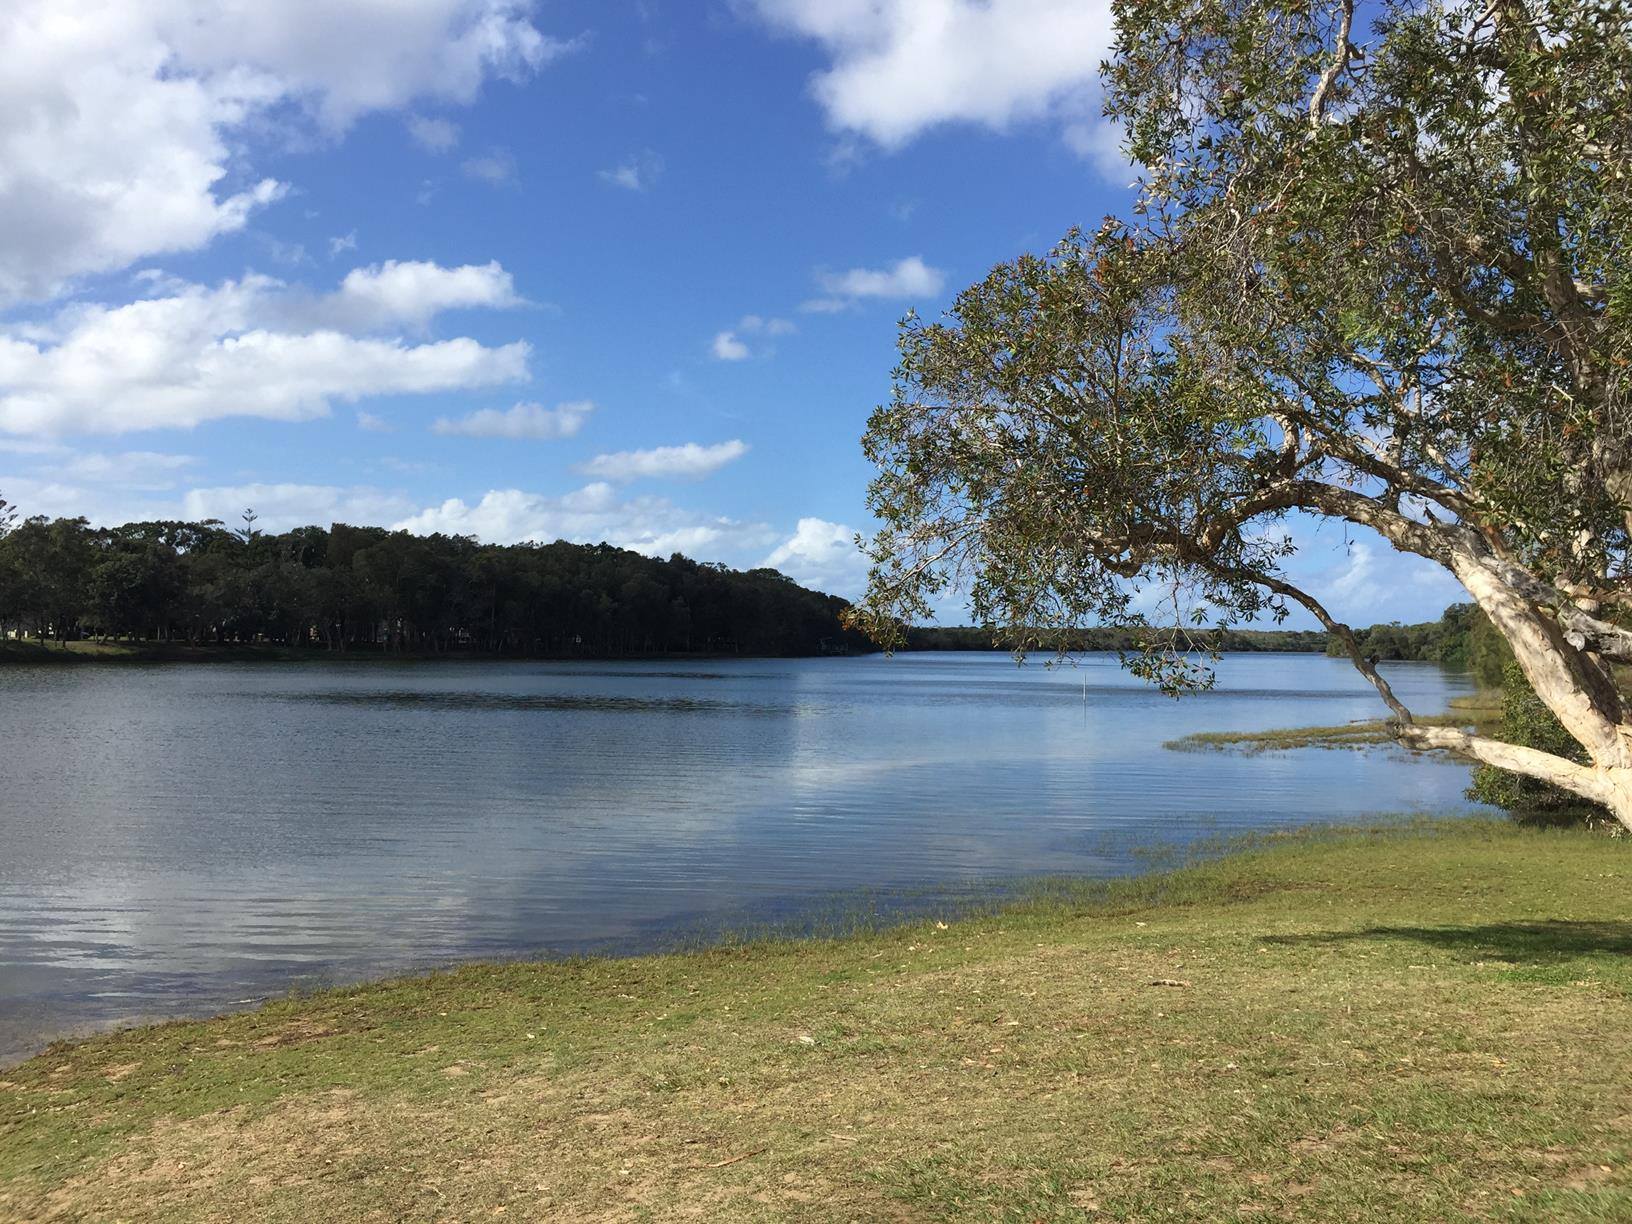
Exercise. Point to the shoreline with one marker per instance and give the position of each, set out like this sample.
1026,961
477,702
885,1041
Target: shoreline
1123,1042
82,652
87,653
842,914
808,916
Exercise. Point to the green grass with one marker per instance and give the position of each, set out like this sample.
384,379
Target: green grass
1419,1022
1479,712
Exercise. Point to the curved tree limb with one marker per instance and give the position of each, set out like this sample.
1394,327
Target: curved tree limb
1598,785
1333,626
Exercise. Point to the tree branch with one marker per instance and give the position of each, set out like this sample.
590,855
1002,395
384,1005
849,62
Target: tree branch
1340,61
1345,635
1578,779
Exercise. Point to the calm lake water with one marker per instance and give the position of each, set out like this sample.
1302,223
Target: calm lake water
178,839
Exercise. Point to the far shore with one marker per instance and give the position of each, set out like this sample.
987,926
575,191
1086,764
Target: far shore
86,652
32,650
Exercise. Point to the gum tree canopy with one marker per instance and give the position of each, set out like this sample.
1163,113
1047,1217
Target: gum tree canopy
1375,274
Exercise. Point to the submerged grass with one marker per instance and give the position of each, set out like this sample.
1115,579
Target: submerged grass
1478,712
1419,1022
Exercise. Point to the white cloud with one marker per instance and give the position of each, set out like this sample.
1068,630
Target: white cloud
1100,142
437,135
373,423
54,497
413,292
901,67
345,60
281,507
756,325
826,305
637,173
291,253
1356,578
690,461
1361,578
727,347
523,421
123,126
244,348
129,471
138,466
341,243
592,515
905,278
496,167
31,446
822,555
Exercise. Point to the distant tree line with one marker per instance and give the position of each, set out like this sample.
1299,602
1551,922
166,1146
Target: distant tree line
1462,638
964,637
365,588
346,587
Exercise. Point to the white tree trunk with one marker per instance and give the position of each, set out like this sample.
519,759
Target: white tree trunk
1582,698
1576,689
1611,787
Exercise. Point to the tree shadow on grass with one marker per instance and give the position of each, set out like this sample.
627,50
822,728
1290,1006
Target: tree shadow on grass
1533,942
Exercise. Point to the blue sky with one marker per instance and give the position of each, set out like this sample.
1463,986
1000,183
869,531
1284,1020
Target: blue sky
622,271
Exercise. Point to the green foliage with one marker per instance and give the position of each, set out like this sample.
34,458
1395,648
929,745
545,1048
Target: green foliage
1375,274
1441,641
1527,721
1488,656
350,587
1462,638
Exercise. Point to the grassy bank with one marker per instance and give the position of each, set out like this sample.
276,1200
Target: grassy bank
1480,713
1421,1023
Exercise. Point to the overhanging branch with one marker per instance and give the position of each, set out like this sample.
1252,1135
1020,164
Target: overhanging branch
1578,779
1333,626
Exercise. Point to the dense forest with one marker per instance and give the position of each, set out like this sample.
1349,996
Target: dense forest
1462,638
367,588
344,587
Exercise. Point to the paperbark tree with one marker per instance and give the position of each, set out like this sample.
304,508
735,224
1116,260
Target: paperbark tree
1374,276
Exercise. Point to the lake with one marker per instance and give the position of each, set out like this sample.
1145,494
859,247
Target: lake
179,839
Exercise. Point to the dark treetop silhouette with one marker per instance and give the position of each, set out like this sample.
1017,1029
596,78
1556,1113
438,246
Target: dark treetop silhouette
348,587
